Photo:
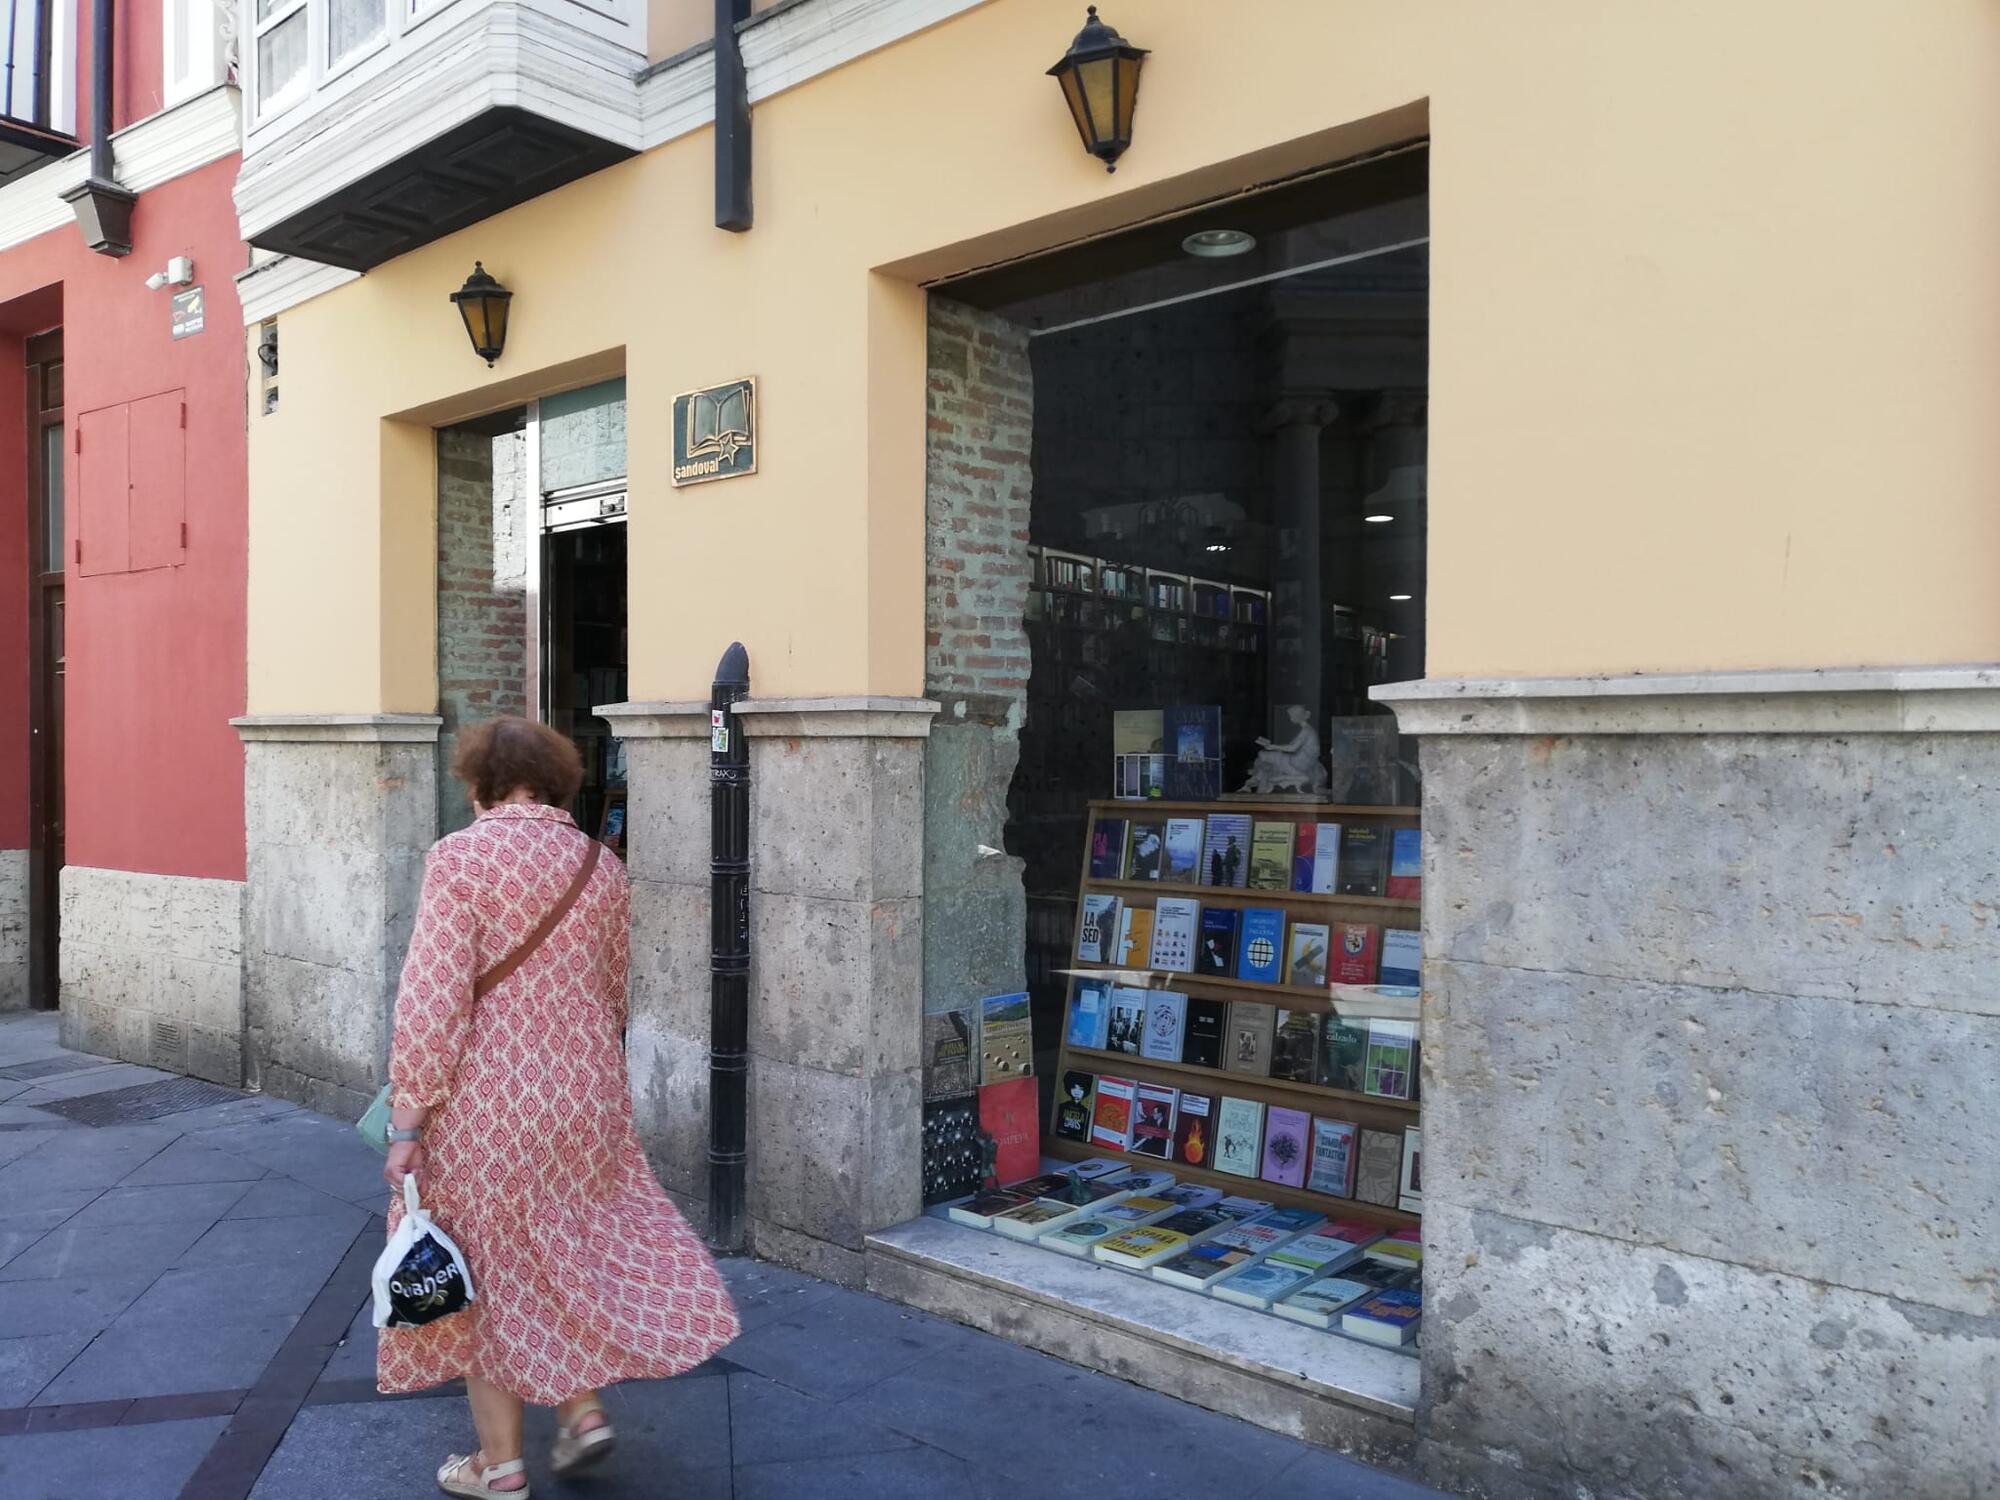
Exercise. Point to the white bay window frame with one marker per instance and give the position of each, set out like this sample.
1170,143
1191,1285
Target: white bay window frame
299,88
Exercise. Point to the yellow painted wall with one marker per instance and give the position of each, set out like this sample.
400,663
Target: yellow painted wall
1715,335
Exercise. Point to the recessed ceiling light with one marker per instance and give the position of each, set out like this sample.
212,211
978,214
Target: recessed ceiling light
1378,520
1218,546
1219,244
1399,598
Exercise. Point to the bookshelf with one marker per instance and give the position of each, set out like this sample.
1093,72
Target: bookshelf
1366,1111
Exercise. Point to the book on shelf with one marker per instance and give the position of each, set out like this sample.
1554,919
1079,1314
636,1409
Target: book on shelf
1378,1167
1166,1022
951,1058
1316,861
1260,949
1271,855
1356,949
1107,849
1203,1266
1389,1318
1252,1028
1144,1181
978,1210
1191,735
1403,1248
1402,957
1411,1198
1146,856
1239,1136
1008,1112
1364,860
1262,1284
1406,865
1343,1053
1194,1130
1332,1159
1255,1236
1136,731
1079,1236
1126,1027
1392,1055
1207,1026
1306,960
1295,1046
1141,1249
1216,955
1006,1039
1089,1014
1240,1208
1073,1106
1304,840
1138,778
1320,1302
1097,931
1287,1144
1176,920
1183,853
1153,1120
1111,1114
1226,852
1191,1194
1134,1210
1329,1247
1031,1220
1135,937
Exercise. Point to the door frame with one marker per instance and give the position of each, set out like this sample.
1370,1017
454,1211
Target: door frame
45,783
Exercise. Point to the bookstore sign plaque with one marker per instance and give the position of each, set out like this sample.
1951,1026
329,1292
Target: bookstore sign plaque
715,432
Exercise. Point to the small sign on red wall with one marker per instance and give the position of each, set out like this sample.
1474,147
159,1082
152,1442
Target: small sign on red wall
188,312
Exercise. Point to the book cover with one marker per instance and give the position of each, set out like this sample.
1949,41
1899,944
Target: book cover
1332,1159
1324,1249
1126,1027
1007,1112
1355,946
1326,859
1411,1199
1207,1024
1287,1143
1320,1303
1406,865
1354,1232
1378,1168
1144,1182
1035,1218
1254,1235
1260,950
1226,854
1146,856
1271,856
1306,963
1079,1236
1403,1248
1239,1137
1239,1208
1190,1194
1141,1248
1196,1224
1194,1132
1294,1220
1073,1106
1203,1266
1136,731
1135,937
1176,920
1166,1020
1261,1284
1392,1055
1097,932
1111,1114
1252,1028
978,1211
1097,1168
1089,1014
950,1059
1191,735
1304,842
1006,1042
1135,1209
1343,1054
1295,1046
1216,955
1183,856
1402,957
1389,1318
1107,849
1153,1120
1363,860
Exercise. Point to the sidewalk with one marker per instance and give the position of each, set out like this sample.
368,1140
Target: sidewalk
183,1288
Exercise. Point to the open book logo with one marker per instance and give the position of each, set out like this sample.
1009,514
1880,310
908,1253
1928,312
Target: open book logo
715,432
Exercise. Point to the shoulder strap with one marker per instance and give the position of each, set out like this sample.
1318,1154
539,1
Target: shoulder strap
498,974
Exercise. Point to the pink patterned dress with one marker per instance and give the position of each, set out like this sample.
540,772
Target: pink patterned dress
586,1273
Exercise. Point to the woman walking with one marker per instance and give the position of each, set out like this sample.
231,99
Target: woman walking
511,1106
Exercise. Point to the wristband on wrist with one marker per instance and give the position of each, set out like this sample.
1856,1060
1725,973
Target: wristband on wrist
403,1137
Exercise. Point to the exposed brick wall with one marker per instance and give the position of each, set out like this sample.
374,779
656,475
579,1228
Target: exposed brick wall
483,496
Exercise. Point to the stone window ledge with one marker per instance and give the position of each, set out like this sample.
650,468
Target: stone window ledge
412,729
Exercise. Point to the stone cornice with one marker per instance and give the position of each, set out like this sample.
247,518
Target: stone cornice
656,721
391,729
837,718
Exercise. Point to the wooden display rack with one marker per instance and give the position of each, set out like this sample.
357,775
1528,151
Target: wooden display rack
1366,1110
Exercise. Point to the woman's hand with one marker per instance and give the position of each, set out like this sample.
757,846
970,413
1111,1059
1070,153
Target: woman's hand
404,1157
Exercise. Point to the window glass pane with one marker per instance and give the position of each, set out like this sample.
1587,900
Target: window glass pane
583,435
352,25
52,498
269,8
281,59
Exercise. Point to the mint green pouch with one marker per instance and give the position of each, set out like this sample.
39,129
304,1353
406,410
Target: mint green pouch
373,1126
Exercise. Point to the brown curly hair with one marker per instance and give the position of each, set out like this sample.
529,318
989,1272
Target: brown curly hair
495,758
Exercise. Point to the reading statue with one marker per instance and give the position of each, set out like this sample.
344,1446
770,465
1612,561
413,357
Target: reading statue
1293,766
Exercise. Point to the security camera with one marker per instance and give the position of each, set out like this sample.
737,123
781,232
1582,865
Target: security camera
179,272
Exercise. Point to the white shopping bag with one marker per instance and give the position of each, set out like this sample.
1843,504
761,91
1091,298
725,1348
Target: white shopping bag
420,1275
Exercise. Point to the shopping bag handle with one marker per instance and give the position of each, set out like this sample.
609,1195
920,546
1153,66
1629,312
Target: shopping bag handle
410,1204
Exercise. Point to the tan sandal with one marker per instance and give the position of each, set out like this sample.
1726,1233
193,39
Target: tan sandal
575,1450
455,1478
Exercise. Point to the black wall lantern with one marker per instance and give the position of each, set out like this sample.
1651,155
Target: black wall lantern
1100,83
482,302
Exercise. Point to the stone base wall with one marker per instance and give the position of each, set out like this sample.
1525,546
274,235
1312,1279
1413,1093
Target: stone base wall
13,929
1711,1041
152,970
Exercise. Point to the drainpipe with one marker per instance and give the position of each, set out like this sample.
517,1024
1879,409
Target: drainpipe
732,120
103,208
729,951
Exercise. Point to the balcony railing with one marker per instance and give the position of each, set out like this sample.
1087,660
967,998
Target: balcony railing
37,82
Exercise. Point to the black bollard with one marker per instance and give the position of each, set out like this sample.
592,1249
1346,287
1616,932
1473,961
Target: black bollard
729,952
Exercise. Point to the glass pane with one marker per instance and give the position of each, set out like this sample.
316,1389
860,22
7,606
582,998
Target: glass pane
583,436
52,386
281,60
352,25
52,498
269,8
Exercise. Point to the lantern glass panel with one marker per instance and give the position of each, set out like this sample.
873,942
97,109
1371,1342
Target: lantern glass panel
1128,95
1099,77
1078,110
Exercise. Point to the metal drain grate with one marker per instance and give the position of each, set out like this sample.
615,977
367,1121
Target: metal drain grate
48,1067
142,1101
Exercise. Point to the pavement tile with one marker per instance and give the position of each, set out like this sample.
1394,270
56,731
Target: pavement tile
1317,1475
308,1148
772,1423
214,1294
83,1304
44,1210
27,1116
93,1081
118,1463
133,1359
305,1240
281,1198
15,1144
66,1159
186,1161
110,1250
843,1343
244,1111
190,1201
355,1358
388,1450
29,1364
911,1474
764,1293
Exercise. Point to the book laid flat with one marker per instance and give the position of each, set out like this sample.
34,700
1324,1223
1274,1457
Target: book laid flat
1306,961
1226,851
1096,1167
1392,1054
1009,1112
1096,934
1254,1236
1252,1027
1293,1220
1260,949
1027,1221
1006,1039
1402,957
1207,1025
950,1058
1166,1020
1135,1211
1295,1046
1319,1303
1176,923
1287,1143
1191,1195
1239,1208
1194,1131
1389,1318
1332,1158
1403,1248
1363,860
1111,1117
1406,865
1126,1026
1107,849
1073,1105
1378,1171
1146,849
1262,1284
978,1211
1215,953
1080,1235
1140,1249
1356,953
1153,1120
1271,856
1239,1129
1146,1181
1328,1248
1089,1014
1203,1266
1183,854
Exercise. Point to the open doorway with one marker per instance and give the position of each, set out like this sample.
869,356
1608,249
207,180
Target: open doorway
47,656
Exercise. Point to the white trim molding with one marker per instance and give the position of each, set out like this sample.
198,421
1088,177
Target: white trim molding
1834,700
271,286
379,729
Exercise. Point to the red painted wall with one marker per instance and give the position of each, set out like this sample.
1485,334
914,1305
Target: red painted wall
156,658
139,90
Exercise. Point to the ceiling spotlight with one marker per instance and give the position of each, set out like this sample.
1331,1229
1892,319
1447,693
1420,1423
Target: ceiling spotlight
1399,598
1218,546
1219,244
1377,520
